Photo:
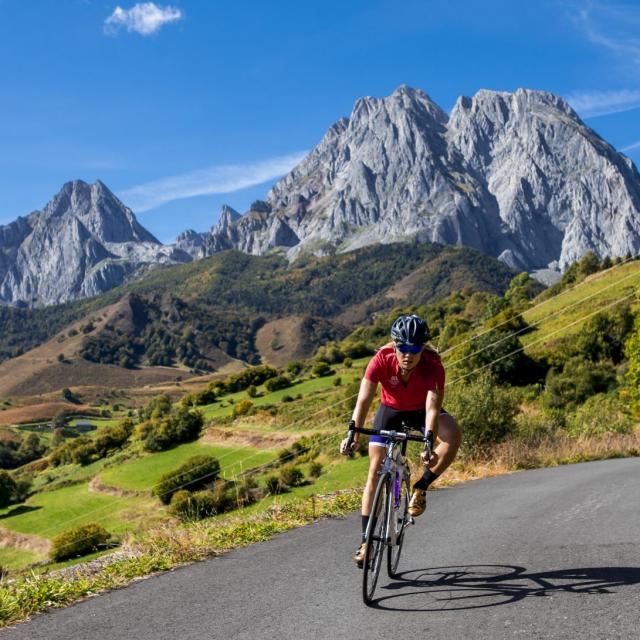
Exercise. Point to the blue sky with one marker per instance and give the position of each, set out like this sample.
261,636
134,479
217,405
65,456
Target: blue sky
182,106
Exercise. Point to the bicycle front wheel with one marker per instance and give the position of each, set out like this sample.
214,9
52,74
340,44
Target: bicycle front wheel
376,538
399,520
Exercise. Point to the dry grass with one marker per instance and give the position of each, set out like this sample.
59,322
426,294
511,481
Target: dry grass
515,455
38,412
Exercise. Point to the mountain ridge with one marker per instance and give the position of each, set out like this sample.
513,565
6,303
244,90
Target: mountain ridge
516,175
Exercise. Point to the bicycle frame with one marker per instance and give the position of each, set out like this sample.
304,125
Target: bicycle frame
394,467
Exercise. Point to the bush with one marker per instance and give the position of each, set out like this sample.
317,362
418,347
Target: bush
242,408
279,382
286,398
321,369
599,414
315,469
7,488
252,391
348,363
534,427
201,504
484,411
578,380
78,541
337,382
158,406
182,426
274,485
291,476
195,473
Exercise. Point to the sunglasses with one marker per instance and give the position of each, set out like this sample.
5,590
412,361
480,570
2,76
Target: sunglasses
402,347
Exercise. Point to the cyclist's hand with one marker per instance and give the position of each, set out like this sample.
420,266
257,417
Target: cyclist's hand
347,450
429,462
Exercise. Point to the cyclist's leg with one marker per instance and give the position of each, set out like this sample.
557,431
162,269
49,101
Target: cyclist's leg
377,452
448,443
449,438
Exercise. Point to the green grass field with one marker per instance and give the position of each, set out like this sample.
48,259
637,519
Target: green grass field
143,473
12,558
49,513
224,407
564,314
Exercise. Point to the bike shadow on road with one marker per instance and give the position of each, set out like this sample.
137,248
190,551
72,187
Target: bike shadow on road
480,586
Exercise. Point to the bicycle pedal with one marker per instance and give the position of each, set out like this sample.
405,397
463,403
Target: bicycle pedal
411,520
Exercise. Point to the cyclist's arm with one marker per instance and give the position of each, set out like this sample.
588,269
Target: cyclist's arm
433,407
363,403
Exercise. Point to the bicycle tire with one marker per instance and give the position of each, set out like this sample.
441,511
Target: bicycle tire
376,539
402,517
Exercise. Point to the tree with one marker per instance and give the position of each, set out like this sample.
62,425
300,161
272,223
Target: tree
7,488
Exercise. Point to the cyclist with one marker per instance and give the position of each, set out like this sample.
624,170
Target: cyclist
412,378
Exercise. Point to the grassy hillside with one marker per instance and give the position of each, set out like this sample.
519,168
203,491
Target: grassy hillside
247,428
228,297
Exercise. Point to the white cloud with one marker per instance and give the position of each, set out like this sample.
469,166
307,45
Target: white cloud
144,18
599,103
631,147
615,27
217,179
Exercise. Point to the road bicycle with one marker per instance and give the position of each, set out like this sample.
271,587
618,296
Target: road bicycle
389,510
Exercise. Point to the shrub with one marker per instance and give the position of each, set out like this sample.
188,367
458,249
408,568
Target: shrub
7,488
195,473
599,414
201,504
157,407
534,427
315,469
337,382
279,382
242,408
291,476
484,411
286,398
578,379
206,396
252,391
78,541
285,455
321,369
274,485
182,426
348,363
296,367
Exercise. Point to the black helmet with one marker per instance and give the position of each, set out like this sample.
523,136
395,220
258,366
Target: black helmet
410,329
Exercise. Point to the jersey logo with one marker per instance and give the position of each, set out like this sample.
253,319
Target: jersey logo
394,381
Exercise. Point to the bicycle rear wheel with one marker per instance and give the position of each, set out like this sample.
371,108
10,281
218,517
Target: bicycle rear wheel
376,538
399,520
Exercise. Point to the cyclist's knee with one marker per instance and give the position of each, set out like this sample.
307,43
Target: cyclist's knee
449,432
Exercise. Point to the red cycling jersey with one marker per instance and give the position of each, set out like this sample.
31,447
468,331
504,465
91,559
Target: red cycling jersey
412,395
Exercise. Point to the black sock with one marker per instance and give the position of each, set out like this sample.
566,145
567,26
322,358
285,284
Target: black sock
427,478
365,522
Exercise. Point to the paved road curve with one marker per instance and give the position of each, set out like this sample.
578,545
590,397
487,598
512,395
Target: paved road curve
550,553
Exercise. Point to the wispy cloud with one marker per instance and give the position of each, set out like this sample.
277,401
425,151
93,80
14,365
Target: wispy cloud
631,147
144,18
615,27
217,179
599,103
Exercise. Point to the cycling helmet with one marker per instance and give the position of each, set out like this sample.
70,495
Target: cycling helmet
410,329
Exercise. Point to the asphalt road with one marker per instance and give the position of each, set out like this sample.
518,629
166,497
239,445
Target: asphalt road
549,553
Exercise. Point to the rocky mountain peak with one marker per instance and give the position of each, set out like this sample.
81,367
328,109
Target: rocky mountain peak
517,175
83,242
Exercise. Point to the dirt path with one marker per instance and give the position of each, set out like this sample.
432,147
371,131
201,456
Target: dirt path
24,541
97,487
